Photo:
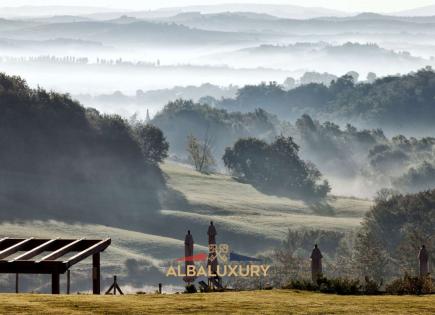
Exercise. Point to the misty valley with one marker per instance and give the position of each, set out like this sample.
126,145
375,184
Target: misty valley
285,127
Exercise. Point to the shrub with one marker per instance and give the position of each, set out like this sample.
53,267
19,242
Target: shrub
303,284
343,286
190,288
371,287
409,285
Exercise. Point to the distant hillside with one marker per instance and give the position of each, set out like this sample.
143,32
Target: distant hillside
282,11
62,19
388,102
137,32
421,11
48,10
362,23
325,57
159,97
228,21
369,16
52,43
349,50
11,25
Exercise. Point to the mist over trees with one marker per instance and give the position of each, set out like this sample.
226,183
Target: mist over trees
337,117
385,247
386,102
59,160
419,178
181,119
393,232
366,155
341,151
160,96
343,154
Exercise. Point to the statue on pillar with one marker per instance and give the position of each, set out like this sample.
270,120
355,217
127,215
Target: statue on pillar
188,253
423,258
211,234
316,263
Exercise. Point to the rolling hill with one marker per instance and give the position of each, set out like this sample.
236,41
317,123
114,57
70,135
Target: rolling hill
248,220
361,23
136,32
420,11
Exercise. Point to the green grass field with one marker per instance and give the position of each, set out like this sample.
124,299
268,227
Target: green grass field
251,222
236,208
241,206
256,302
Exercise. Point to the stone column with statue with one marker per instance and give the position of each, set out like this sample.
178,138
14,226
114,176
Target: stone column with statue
423,258
316,263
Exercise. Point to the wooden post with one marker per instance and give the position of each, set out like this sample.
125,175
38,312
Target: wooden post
160,288
114,287
16,283
55,283
68,281
96,273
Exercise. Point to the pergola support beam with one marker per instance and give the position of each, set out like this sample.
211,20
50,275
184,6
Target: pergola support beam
68,281
96,274
55,283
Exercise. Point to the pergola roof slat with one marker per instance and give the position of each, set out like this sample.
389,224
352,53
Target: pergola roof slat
61,251
52,263
14,248
35,251
98,247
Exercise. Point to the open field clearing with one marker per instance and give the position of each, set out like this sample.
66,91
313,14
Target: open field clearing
240,212
249,221
240,206
256,302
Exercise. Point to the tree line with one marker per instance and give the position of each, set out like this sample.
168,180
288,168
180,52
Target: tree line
387,101
61,160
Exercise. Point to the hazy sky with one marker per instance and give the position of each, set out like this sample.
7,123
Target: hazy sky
346,5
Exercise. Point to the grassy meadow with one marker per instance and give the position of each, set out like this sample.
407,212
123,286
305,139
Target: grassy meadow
231,203
250,221
254,302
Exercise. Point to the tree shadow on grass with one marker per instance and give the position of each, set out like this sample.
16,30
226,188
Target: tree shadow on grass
319,206
322,208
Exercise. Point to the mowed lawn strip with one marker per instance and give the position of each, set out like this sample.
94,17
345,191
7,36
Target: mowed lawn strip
254,302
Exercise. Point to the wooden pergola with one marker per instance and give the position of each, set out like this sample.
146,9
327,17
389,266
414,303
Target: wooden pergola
50,256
